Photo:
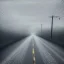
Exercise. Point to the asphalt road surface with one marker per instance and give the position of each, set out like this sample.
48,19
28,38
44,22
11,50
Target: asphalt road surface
33,50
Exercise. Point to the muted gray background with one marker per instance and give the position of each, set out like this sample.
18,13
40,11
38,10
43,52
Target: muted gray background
27,15
19,18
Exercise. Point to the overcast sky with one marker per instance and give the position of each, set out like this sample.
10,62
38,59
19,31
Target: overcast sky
27,15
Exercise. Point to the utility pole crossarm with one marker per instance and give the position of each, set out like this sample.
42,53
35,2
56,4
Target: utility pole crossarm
54,16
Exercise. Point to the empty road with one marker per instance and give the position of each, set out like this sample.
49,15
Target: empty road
33,50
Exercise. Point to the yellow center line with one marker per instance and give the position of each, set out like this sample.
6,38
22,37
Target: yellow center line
33,53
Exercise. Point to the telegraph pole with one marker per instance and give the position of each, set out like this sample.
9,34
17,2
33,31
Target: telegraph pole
51,27
52,24
41,29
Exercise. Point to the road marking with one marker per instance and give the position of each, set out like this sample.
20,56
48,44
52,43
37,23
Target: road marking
33,51
34,58
33,54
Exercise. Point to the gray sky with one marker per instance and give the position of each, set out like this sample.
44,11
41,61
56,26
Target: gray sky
27,15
